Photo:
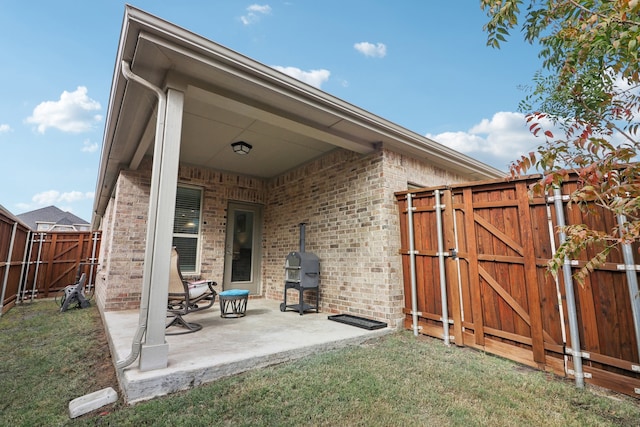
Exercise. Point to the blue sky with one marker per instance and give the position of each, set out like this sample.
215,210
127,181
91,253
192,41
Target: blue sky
422,64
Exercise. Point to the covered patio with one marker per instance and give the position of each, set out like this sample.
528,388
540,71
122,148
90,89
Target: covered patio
228,346
169,176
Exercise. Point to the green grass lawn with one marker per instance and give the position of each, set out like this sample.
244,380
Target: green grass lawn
49,358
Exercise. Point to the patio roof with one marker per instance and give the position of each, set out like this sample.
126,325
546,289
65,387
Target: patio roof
230,97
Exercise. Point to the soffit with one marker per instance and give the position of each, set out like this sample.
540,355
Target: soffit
230,97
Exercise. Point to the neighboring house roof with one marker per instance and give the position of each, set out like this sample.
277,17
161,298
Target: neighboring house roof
230,97
51,215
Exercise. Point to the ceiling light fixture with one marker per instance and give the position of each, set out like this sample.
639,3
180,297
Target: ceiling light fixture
241,147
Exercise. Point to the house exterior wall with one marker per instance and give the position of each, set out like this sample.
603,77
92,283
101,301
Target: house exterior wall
124,227
119,281
348,203
346,199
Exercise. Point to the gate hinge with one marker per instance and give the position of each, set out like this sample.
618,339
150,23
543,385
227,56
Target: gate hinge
582,354
449,321
414,252
635,368
583,375
636,390
418,313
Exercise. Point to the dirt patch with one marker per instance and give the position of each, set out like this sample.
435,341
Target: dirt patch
103,370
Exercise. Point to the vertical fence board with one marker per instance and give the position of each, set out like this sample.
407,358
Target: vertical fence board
474,275
530,273
454,306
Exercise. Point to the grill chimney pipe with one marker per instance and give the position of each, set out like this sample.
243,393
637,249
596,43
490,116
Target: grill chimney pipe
302,236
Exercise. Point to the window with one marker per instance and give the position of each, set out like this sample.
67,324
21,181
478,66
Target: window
186,227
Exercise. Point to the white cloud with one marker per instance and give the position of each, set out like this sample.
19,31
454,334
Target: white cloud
52,197
373,50
73,112
254,12
4,128
314,77
89,147
497,141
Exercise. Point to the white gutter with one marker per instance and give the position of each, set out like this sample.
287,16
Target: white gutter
136,345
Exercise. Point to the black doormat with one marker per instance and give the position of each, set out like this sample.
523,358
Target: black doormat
360,322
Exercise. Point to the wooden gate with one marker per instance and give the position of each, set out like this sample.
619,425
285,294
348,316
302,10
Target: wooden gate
56,259
500,298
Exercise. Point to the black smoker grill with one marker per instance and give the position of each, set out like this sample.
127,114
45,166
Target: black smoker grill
302,273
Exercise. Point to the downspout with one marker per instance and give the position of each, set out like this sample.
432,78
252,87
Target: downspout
443,279
7,266
575,350
632,279
136,345
412,263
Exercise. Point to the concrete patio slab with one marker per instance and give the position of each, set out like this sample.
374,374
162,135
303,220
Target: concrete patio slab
227,346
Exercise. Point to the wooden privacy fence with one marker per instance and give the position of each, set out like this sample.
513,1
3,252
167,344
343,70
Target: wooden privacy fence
490,265
39,265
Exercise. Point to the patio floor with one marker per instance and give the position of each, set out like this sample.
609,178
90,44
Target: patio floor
224,347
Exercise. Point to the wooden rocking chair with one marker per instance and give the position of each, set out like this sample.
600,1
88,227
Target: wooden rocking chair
186,297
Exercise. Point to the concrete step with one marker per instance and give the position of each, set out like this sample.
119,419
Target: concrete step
92,401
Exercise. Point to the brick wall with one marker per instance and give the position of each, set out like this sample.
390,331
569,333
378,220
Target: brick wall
124,226
346,199
348,204
124,229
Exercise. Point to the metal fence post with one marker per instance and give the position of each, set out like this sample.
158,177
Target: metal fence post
632,279
576,352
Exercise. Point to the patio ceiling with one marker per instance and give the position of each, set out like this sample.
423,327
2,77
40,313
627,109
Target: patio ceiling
228,98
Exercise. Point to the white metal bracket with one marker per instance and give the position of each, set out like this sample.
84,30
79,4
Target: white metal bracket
625,267
582,354
564,198
584,374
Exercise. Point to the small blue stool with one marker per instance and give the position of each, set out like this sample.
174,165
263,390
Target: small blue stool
233,303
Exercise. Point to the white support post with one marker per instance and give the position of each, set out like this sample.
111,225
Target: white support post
154,353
